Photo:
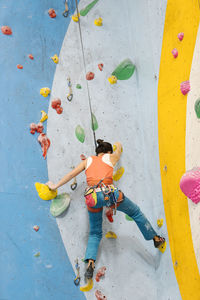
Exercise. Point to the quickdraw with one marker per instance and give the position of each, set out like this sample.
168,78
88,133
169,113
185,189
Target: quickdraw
77,278
70,95
74,183
66,11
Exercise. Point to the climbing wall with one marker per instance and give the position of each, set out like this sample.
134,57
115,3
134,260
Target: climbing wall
57,72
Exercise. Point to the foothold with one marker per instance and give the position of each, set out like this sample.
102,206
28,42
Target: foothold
162,248
128,218
100,273
33,128
6,30
110,235
52,13
19,67
98,22
44,116
88,286
80,134
112,79
109,214
100,66
197,108
100,296
44,192
124,70
94,123
45,92
118,174
175,52
31,56
160,222
36,227
56,102
190,184
59,110
83,157
85,10
78,86
165,168
59,204
185,87
40,128
76,17
45,143
90,76
180,36
37,254
55,58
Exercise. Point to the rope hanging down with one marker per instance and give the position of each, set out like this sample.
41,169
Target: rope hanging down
88,92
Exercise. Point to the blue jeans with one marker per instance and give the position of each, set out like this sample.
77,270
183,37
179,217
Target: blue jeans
95,220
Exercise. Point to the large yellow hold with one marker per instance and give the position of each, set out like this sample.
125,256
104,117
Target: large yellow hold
44,192
87,287
45,92
118,174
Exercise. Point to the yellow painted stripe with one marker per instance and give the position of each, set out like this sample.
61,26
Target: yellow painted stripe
181,16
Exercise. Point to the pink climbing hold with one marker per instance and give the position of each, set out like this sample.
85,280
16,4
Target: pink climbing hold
31,56
190,184
180,36
175,52
83,157
6,30
19,67
100,273
44,142
33,128
90,76
52,13
36,227
185,87
100,66
100,296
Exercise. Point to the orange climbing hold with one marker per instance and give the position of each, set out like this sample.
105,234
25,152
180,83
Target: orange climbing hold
44,142
6,30
100,66
19,67
90,76
82,156
52,13
100,273
56,104
31,56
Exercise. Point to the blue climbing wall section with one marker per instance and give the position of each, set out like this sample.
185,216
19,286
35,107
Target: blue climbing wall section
24,276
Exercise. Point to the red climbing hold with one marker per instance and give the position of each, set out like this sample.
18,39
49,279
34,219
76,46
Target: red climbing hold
100,296
44,142
109,214
180,36
52,13
33,128
100,273
82,156
59,110
40,127
55,103
31,56
90,76
100,66
36,227
6,30
19,67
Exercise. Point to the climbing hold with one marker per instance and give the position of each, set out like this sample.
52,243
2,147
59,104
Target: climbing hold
75,17
19,67
180,36
128,218
112,79
85,10
100,66
59,110
36,227
44,192
160,222
90,76
109,214
88,286
197,108
110,235
190,184
165,168
52,13
45,92
37,254
59,204
115,148
66,11
118,174
6,30
82,156
185,87
78,86
33,128
40,128
162,248
124,70
94,123
44,116
100,296
100,273
30,56
45,143
56,102
175,52
80,134
98,22
55,58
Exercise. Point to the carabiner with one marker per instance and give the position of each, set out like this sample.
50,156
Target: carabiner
66,11
69,97
77,280
73,186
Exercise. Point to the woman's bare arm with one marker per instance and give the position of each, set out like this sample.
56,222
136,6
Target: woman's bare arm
114,157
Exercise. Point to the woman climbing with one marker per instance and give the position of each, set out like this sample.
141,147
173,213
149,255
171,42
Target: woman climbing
101,193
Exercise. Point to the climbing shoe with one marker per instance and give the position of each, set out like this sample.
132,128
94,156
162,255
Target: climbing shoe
158,241
89,272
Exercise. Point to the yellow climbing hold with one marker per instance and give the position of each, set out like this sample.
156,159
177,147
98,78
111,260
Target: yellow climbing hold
110,235
118,174
75,17
45,92
44,192
115,148
87,287
98,22
160,222
112,79
162,248
55,58
44,116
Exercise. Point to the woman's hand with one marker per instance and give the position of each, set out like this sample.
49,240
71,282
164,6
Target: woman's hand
51,185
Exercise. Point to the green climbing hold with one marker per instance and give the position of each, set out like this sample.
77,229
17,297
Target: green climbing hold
94,123
59,204
85,10
80,134
128,218
37,254
197,108
78,86
124,70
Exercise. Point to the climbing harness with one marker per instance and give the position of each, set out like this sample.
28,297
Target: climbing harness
77,278
70,95
66,11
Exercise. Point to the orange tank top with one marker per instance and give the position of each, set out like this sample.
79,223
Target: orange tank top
97,170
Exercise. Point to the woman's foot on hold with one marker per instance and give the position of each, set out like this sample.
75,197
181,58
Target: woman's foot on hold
90,270
158,241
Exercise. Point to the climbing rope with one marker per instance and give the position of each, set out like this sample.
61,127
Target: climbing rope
84,63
